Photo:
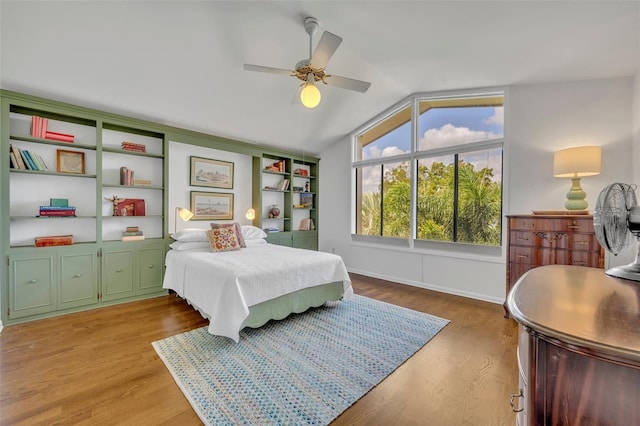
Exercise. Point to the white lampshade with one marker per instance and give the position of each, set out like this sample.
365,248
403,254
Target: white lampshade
577,162
310,95
251,214
183,214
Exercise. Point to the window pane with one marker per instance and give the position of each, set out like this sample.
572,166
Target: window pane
396,201
391,136
434,208
444,124
479,197
368,205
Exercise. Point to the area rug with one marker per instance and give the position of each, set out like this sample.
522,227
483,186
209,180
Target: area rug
303,370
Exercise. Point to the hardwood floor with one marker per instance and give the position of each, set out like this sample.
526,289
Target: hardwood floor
98,367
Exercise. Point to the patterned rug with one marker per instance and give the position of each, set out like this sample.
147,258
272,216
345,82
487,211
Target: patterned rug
303,370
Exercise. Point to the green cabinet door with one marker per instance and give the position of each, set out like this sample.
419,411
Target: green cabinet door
151,265
78,280
32,287
118,274
280,238
306,242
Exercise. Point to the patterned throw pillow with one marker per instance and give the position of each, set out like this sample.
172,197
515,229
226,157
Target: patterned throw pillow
235,226
223,239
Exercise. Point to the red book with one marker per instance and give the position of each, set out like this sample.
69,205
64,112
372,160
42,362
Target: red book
54,240
130,207
63,137
57,212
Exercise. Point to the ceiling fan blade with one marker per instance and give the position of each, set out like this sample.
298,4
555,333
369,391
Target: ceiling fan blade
296,98
260,68
325,49
347,83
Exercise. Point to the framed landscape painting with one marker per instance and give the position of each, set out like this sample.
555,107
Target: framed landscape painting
211,205
211,173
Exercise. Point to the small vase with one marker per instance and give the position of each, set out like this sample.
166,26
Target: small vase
274,211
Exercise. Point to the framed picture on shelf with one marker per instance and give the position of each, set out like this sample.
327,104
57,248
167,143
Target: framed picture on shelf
211,205
306,200
69,161
211,173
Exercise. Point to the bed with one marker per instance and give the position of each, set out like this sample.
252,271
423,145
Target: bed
250,286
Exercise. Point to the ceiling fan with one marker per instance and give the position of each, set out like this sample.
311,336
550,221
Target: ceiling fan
312,70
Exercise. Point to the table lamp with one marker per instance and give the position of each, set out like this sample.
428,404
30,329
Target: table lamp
575,163
183,214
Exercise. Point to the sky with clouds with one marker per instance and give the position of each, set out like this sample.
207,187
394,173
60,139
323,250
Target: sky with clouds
440,127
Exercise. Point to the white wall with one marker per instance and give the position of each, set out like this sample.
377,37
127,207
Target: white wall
179,194
541,119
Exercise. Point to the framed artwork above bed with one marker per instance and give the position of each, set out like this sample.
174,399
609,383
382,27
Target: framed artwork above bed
211,173
211,205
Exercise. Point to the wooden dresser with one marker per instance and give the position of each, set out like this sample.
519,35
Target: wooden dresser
537,240
578,347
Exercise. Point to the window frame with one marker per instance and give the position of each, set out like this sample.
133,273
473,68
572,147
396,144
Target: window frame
413,156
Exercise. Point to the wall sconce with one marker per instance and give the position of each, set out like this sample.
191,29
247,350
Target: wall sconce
251,214
183,214
575,163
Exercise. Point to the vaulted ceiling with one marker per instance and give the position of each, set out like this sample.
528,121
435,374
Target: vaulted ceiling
180,62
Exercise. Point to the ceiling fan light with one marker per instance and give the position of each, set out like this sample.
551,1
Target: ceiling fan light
310,95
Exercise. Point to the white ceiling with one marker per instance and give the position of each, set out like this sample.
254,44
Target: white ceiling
181,62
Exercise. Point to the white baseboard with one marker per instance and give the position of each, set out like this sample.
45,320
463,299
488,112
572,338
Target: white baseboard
433,287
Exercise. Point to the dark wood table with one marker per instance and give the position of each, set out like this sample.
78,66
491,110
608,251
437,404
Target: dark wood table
579,348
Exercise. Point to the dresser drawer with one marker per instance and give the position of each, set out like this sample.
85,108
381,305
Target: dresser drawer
558,224
585,258
587,242
538,256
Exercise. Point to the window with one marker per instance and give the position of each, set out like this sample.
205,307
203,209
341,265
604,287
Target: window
443,184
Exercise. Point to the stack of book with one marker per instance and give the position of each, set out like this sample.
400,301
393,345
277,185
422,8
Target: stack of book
142,182
132,146
132,233
271,229
25,160
54,240
126,176
39,130
301,172
306,225
57,211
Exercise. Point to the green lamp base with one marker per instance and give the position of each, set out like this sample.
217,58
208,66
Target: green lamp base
576,196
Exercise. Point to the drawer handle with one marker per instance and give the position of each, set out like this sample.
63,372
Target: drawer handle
33,281
582,242
573,226
579,262
523,239
77,275
150,266
522,256
118,270
512,402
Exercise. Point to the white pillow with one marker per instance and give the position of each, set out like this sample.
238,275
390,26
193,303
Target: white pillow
191,234
189,245
256,242
252,233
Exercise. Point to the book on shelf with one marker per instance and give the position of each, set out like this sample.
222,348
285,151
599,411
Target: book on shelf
126,176
271,229
13,161
57,208
27,160
18,155
142,182
53,240
132,229
57,136
58,202
132,237
57,213
283,185
306,225
133,146
38,126
127,233
301,172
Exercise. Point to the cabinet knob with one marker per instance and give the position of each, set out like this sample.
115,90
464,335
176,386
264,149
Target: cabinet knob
33,281
512,402
77,275
150,266
119,270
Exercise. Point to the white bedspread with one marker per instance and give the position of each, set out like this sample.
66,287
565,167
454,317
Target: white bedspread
222,286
